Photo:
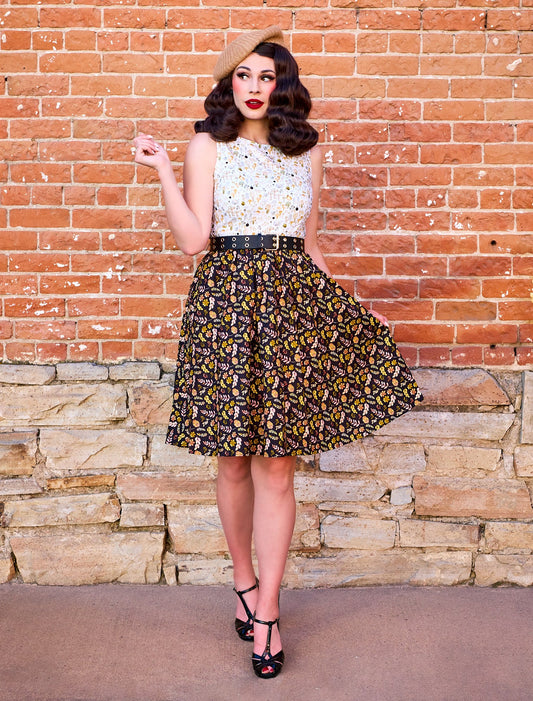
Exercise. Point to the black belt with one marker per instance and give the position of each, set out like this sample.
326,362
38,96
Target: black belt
277,242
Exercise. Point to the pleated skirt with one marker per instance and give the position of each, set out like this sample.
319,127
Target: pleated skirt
275,358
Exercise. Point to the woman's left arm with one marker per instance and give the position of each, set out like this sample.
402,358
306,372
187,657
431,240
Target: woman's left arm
311,226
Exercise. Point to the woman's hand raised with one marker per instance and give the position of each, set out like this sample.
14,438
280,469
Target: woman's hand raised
149,153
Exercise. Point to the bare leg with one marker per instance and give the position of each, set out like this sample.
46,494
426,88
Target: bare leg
274,514
235,500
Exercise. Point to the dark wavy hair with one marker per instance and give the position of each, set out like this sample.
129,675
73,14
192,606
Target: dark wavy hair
288,108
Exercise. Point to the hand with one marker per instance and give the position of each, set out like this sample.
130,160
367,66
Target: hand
149,153
380,317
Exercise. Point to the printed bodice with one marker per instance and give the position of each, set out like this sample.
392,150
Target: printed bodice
260,190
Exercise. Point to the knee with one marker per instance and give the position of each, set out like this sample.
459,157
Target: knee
275,474
234,469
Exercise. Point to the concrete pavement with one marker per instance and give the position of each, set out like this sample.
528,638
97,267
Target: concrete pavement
121,642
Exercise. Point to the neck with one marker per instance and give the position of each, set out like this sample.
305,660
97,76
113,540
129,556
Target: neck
255,130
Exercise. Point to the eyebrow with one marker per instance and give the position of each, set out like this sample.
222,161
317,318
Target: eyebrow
265,70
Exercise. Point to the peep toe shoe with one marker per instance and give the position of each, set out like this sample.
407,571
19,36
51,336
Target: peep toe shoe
266,665
245,629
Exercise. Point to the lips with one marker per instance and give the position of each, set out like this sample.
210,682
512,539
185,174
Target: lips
254,104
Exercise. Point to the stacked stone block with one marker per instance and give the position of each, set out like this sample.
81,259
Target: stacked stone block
90,492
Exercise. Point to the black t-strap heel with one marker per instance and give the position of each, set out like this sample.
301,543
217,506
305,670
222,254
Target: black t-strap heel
266,665
245,629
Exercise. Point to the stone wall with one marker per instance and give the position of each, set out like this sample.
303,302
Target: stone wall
90,493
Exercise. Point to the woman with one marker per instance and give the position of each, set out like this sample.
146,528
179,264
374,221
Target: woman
275,359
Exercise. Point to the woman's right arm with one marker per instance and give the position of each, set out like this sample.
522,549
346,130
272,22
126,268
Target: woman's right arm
188,215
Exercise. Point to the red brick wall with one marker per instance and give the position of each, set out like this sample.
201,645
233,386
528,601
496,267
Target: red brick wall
423,110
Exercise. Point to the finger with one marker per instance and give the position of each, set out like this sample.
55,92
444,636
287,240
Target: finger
144,138
141,154
150,143
147,147
380,318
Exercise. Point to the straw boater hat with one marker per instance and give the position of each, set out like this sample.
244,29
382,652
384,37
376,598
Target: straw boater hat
242,47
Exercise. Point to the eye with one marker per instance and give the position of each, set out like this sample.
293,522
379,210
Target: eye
242,76
268,78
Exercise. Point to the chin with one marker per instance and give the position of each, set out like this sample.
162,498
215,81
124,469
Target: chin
253,114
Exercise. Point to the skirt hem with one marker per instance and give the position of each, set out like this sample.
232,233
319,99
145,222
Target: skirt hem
344,440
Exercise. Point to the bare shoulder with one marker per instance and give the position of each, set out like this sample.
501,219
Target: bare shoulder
316,156
202,148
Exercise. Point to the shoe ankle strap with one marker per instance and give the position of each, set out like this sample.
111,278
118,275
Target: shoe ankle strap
245,591
267,623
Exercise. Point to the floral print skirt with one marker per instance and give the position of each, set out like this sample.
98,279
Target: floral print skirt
275,358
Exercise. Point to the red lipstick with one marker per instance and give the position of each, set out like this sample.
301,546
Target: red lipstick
254,104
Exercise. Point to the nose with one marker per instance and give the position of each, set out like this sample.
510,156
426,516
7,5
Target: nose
254,84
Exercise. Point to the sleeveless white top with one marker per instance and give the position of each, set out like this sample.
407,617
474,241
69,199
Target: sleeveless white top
260,190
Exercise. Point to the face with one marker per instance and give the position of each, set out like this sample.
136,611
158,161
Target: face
253,81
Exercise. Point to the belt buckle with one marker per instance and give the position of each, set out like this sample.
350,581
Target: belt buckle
276,242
